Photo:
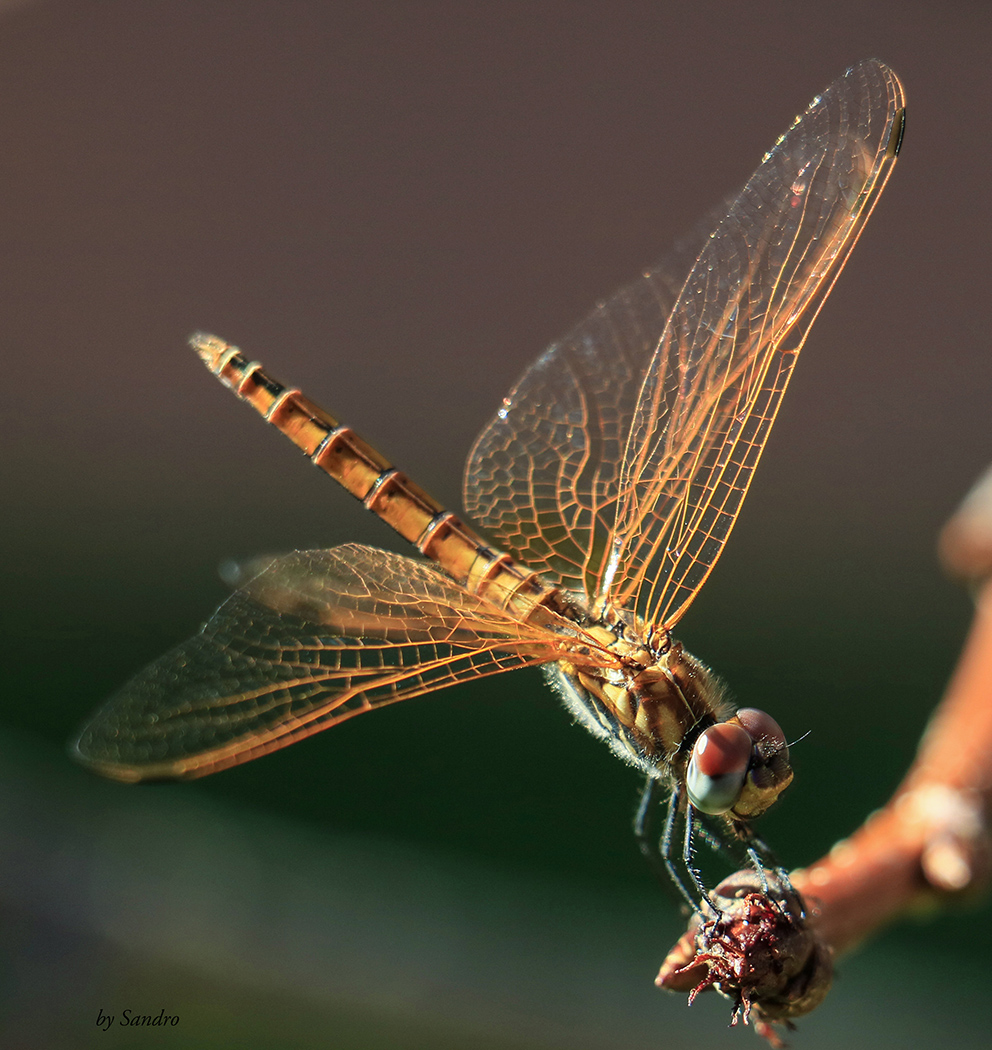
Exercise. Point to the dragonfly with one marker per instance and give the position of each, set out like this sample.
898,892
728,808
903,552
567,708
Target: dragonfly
604,490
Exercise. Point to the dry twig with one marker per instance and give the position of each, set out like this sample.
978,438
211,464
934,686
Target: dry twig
929,844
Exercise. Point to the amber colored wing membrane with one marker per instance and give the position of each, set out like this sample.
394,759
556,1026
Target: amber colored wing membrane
542,478
715,385
701,382
314,639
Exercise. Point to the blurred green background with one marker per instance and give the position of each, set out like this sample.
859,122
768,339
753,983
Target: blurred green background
396,206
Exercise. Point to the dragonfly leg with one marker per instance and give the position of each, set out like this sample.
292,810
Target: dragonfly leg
773,879
717,843
688,859
658,852
644,826
759,867
765,863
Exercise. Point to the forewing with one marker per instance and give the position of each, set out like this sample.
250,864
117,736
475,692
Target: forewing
314,639
712,390
618,463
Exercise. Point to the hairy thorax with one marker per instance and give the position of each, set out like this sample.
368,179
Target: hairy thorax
650,706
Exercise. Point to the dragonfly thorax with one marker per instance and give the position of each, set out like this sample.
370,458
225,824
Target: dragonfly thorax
648,706
666,713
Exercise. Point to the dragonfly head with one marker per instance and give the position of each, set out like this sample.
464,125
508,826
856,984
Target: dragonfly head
740,766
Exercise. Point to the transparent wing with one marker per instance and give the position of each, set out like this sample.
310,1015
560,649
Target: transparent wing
314,639
713,389
631,494
543,476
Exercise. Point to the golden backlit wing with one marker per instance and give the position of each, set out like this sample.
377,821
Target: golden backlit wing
542,478
715,385
316,638
693,420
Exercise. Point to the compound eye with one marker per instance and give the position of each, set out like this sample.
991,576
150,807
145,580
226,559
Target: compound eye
764,731
718,766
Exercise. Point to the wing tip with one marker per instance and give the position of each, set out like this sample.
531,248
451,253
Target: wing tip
126,772
898,131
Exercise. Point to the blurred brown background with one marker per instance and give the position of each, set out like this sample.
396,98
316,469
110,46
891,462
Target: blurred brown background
396,206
